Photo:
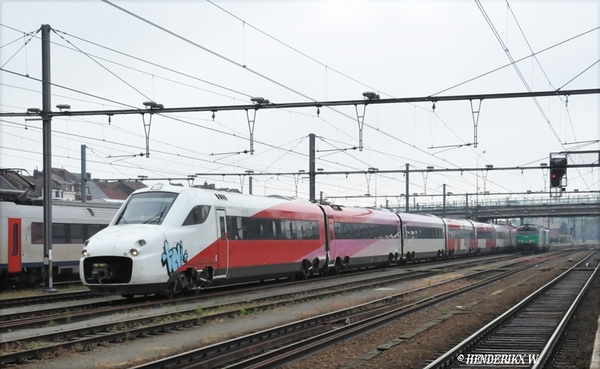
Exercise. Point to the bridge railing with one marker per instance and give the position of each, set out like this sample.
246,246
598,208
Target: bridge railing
484,201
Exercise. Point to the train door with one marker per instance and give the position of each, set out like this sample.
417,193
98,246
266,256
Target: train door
401,234
14,245
222,257
331,243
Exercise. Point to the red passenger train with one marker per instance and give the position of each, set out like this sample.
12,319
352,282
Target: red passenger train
167,240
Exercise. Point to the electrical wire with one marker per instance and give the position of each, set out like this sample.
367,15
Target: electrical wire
101,65
21,48
158,66
513,63
245,23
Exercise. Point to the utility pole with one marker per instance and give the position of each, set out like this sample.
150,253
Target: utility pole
47,147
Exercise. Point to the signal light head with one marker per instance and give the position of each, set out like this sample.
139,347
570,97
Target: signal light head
556,175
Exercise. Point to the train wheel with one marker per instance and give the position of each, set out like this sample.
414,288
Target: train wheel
391,259
169,293
301,275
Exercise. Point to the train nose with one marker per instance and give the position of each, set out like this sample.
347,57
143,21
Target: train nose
111,255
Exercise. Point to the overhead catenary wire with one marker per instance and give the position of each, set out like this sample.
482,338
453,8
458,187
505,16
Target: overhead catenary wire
76,48
187,75
514,64
546,76
101,65
340,131
327,67
231,61
517,61
24,46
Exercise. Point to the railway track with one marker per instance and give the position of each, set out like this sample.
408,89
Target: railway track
527,335
38,312
22,349
278,346
48,298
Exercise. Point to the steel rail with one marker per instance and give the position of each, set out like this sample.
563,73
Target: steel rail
450,357
39,317
144,326
335,327
549,349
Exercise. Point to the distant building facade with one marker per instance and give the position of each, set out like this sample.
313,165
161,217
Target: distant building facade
20,184
65,186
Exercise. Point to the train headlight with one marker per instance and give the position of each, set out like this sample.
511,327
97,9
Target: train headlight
134,252
142,242
84,252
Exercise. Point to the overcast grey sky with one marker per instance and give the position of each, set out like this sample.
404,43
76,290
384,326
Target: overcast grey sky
196,53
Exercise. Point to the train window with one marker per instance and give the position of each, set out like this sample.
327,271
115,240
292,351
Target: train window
77,233
424,232
197,215
459,234
235,228
37,233
485,235
248,228
59,233
147,208
15,245
222,224
365,231
65,233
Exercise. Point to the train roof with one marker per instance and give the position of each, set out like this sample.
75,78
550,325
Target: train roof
219,195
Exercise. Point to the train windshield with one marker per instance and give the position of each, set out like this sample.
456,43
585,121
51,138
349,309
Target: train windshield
147,208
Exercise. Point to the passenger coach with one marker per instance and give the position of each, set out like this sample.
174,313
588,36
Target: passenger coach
22,239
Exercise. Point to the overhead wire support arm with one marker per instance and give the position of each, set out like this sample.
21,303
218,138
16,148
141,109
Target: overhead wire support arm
361,122
147,127
369,96
475,115
251,122
152,106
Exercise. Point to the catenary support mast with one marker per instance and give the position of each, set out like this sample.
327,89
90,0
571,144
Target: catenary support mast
47,147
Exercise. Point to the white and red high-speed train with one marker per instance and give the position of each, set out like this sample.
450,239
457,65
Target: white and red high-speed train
169,239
